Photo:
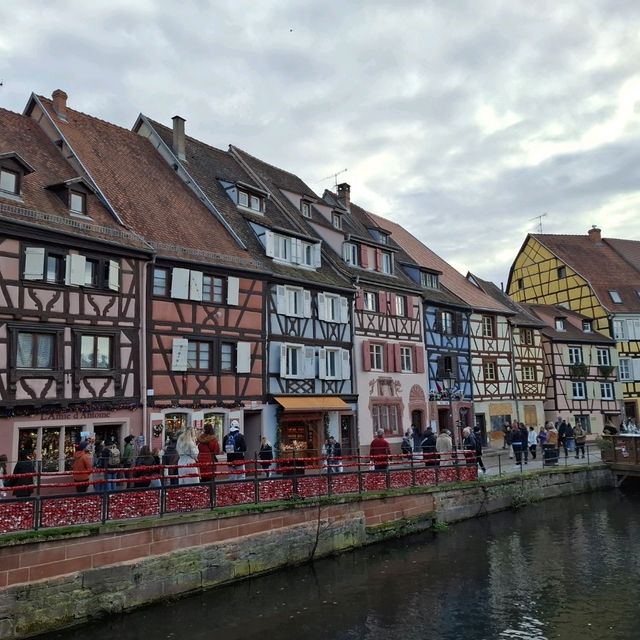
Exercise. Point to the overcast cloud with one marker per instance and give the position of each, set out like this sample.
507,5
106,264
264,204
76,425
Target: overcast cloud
460,120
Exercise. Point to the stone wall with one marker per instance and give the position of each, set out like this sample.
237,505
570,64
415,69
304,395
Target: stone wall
54,579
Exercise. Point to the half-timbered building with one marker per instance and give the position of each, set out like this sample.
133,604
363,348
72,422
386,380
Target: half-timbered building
309,390
598,277
204,347
580,369
71,282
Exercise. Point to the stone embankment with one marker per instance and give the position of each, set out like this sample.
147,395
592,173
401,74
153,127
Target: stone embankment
53,579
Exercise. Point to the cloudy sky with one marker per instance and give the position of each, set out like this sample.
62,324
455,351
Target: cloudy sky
461,120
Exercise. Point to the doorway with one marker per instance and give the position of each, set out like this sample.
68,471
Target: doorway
417,419
347,438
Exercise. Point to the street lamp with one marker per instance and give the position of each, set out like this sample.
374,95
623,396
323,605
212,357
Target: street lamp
449,382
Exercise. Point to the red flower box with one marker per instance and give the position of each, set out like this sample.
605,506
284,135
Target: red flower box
312,486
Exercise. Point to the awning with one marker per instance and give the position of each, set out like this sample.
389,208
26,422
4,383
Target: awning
311,403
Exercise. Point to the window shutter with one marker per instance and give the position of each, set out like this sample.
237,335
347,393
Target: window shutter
75,269
382,302
243,357
344,310
283,361
195,285
614,357
457,324
269,243
366,355
418,359
565,356
322,308
233,287
397,359
364,258
437,322
322,364
34,263
360,300
307,303
179,355
296,250
388,357
635,368
633,329
309,362
180,283
414,308
346,364
392,304
317,255
281,300
378,260
593,391
114,275
569,390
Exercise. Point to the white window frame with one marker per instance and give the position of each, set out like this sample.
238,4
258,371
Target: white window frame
351,254
370,301
529,373
575,355
336,221
607,391
487,366
401,306
332,361
332,312
560,324
578,390
15,190
604,358
487,327
615,296
625,369
406,359
429,280
619,329
305,209
294,353
386,263
446,323
376,356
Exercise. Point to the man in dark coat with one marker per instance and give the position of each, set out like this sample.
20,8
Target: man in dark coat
24,465
477,434
428,446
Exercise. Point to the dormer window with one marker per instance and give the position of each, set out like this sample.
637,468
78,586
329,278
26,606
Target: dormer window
74,194
386,263
562,273
336,221
78,203
382,239
305,209
586,326
560,324
12,169
429,280
292,250
9,181
615,296
250,201
351,254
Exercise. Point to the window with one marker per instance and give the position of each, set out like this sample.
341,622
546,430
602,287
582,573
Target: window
9,181
332,363
625,369
579,390
95,352
305,209
282,248
382,238
243,198
528,373
336,221
295,302
199,355
526,336
560,324
490,371
619,332
250,201
520,283
160,282
212,289
35,351
332,308
96,272
386,263
377,360
586,326
294,362
54,268
401,306
227,356
351,254
575,355
446,322
615,296
77,202
306,257
385,417
606,390
562,272
370,301
406,359
487,326
603,357
429,280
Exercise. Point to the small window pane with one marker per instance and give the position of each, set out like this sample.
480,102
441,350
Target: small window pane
87,356
25,351
159,282
103,360
76,202
44,356
8,181
254,203
243,198
226,357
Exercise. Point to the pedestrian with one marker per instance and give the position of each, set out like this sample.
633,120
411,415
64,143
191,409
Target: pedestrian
187,449
508,438
444,447
208,450
142,472
156,480
234,446
101,482
524,439
533,442
416,437
550,446
266,455
469,446
569,440
407,444
562,435
379,451
477,434
334,455
581,438
82,467
114,464
23,487
428,446
170,459
3,472
128,457
516,442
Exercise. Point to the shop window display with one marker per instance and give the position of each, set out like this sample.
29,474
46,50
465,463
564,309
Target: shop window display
216,420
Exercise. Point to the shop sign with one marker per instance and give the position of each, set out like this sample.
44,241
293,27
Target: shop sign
76,415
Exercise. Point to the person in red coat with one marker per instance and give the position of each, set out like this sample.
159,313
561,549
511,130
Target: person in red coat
208,449
379,450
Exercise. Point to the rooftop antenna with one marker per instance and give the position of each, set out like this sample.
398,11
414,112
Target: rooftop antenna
539,219
334,176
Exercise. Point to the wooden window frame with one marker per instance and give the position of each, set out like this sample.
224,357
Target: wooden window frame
113,350
83,202
37,335
571,352
305,209
494,367
611,392
406,355
386,257
372,295
18,178
167,278
488,321
526,336
561,272
336,221
197,346
218,283
529,373
231,368
375,349
578,384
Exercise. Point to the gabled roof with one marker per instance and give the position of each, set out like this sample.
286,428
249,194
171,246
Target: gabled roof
602,264
547,313
451,279
40,206
145,192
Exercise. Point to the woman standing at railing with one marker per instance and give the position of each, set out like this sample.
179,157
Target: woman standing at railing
3,473
208,450
82,466
187,449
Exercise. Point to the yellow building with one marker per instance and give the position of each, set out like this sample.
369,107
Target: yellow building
597,277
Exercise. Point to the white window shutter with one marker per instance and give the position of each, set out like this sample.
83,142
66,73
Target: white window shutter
296,250
346,252
346,364
322,364
74,269
344,310
633,329
309,362
269,243
281,300
569,390
34,263
180,283
317,255
593,391
233,290
307,303
243,357
635,368
195,285
67,270
322,307
179,354
283,361
614,357
114,275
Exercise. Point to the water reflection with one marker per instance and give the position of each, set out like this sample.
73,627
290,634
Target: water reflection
564,569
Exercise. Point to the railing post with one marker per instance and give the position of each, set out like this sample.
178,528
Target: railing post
360,479
413,471
295,472
38,476
499,465
256,483
329,474
105,505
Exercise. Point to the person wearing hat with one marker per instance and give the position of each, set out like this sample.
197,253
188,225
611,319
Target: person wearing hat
128,455
234,445
82,467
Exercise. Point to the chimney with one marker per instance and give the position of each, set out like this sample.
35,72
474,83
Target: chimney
595,234
178,137
59,98
344,194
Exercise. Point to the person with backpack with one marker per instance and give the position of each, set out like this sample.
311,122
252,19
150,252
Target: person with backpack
234,446
114,465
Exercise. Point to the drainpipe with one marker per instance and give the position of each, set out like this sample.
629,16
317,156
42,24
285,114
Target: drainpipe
513,372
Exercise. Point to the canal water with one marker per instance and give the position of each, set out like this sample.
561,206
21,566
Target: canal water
565,569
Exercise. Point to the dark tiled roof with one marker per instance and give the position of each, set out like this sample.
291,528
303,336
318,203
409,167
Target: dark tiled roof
40,205
146,193
628,249
547,314
602,265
